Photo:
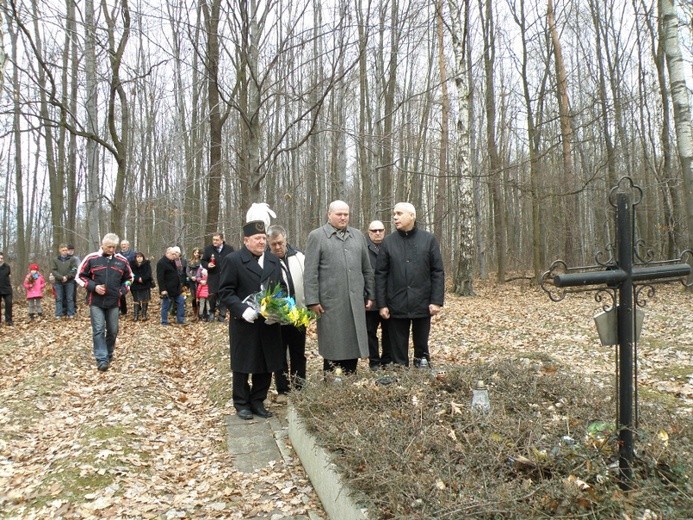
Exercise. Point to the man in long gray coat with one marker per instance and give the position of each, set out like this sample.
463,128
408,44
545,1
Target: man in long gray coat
338,282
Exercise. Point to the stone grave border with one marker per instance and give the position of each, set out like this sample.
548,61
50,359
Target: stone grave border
338,499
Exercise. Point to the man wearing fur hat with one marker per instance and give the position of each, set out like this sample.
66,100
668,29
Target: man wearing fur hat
255,347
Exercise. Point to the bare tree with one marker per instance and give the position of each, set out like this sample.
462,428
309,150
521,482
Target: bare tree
495,174
462,280
371,203
440,210
67,147
21,248
680,97
571,222
56,179
93,195
534,118
211,12
118,106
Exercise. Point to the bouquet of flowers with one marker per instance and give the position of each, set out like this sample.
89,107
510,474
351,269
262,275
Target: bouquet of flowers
275,306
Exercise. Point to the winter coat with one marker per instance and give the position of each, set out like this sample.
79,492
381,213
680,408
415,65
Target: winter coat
339,276
256,348
141,276
168,277
64,266
373,251
5,283
214,272
183,272
34,286
409,274
113,271
129,255
202,288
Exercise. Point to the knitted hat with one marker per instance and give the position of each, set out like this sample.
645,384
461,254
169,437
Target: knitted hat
33,267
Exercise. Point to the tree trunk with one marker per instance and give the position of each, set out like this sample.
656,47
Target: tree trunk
387,138
55,177
495,174
93,202
119,127
462,282
21,249
534,122
71,146
604,102
370,200
440,209
216,125
253,115
662,168
572,213
682,110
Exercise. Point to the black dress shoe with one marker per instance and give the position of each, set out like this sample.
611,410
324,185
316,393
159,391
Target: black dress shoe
261,411
245,414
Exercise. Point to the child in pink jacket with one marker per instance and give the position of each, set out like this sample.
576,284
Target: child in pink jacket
202,294
34,283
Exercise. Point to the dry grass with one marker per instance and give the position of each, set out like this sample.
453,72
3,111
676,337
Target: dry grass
417,450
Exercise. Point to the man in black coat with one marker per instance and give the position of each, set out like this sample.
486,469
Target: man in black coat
377,357
255,347
170,286
129,254
6,289
409,285
211,260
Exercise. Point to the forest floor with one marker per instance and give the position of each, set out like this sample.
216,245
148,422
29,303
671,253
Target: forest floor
147,439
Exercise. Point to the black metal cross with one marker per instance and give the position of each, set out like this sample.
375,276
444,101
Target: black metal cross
622,278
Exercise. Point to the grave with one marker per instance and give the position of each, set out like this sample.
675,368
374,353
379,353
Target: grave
622,278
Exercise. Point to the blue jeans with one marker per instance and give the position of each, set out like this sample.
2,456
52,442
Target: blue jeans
180,308
64,291
104,328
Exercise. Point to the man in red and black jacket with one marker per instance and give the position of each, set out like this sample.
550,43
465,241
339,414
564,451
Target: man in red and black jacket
106,276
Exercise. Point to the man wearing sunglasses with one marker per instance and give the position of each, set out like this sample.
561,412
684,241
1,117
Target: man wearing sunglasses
377,357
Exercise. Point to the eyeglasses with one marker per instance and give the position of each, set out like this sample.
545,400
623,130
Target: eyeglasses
376,230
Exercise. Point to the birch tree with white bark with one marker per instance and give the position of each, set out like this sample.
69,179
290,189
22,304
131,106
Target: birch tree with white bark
681,101
462,281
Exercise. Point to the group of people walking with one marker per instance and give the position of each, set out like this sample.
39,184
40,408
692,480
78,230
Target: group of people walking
62,278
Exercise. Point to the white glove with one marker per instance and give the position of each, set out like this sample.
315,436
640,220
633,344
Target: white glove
249,315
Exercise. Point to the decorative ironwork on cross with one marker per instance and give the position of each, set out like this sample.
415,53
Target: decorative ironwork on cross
623,278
